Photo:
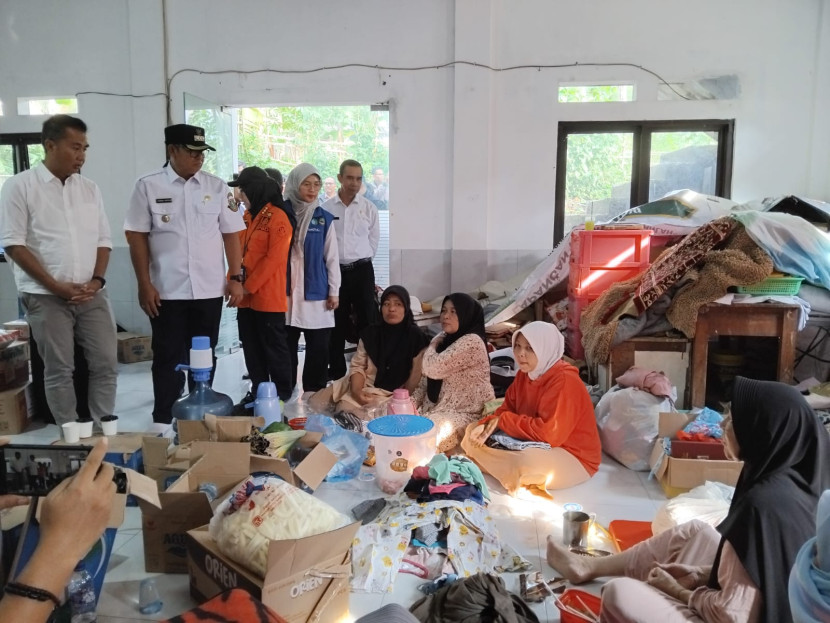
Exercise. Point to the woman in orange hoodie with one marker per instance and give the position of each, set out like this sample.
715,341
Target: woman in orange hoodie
547,403
265,246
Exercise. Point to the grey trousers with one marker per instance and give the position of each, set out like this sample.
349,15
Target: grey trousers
56,325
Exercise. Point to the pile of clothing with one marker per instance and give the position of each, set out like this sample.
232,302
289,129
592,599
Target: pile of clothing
457,478
429,539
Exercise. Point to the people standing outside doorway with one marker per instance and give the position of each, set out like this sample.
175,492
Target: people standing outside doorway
57,237
181,225
378,189
358,233
329,189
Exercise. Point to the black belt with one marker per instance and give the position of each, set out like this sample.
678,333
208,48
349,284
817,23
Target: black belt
355,264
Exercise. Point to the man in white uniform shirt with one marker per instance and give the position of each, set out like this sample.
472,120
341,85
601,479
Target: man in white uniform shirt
180,225
57,237
358,234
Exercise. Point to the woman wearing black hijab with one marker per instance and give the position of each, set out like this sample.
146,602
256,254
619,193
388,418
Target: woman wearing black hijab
456,370
739,571
261,315
388,357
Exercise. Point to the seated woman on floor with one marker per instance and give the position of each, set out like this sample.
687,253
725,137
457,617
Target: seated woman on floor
739,571
547,403
456,370
388,357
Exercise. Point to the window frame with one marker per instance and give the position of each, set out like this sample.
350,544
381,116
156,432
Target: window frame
20,155
19,142
640,162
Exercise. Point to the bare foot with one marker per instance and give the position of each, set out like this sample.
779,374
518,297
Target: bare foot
573,567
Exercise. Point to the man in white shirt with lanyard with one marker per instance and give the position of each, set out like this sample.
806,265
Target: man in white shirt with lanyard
181,225
57,237
358,234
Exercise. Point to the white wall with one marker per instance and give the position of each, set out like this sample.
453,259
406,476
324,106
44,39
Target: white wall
473,151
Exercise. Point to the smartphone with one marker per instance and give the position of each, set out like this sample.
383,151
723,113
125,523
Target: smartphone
35,469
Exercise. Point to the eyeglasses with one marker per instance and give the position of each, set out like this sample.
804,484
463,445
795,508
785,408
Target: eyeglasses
196,154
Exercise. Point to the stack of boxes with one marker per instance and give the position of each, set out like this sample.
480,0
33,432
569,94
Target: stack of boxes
15,404
600,258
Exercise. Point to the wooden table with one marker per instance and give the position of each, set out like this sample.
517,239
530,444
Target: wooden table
754,320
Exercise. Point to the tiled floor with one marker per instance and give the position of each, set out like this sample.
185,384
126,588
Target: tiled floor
613,493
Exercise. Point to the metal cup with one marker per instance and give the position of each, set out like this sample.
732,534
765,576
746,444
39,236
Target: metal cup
575,525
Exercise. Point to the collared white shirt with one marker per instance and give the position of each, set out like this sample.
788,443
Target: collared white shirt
357,228
185,220
61,224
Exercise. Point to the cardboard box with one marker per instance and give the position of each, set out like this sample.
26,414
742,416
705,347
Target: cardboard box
18,325
15,410
14,365
679,475
685,449
226,464
307,579
133,347
183,507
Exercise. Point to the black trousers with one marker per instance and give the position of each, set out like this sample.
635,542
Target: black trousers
265,346
174,328
357,296
316,357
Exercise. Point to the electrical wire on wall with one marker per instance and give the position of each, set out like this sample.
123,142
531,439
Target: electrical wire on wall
312,70
535,67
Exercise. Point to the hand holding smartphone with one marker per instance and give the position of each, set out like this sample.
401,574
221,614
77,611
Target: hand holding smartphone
34,470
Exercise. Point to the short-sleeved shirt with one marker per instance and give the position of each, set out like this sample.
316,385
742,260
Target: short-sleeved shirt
61,224
185,220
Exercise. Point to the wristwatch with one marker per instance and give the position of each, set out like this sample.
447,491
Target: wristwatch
238,278
101,280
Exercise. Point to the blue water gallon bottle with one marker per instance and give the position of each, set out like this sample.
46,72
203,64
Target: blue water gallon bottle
202,399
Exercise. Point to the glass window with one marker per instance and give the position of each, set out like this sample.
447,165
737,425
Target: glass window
598,178
46,105
596,93
35,153
681,160
605,167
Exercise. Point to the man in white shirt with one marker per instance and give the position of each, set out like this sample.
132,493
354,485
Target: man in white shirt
181,225
57,237
358,233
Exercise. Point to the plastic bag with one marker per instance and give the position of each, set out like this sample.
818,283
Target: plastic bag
348,446
796,246
708,502
627,422
266,508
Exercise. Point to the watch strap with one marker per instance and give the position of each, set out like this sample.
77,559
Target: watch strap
100,279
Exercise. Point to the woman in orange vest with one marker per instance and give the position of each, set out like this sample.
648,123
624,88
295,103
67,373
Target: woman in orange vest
266,243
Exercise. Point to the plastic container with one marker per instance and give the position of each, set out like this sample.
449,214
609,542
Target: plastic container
267,403
781,286
577,600
401,403
202,399
627,533
402,442
573,336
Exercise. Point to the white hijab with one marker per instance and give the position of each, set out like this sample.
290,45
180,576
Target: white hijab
547,343
304,210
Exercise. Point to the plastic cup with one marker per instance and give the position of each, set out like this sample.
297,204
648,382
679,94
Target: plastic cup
109,424
84,428
149,600
71,432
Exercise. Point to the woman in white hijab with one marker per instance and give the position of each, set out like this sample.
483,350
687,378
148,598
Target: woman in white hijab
314,277
544,434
